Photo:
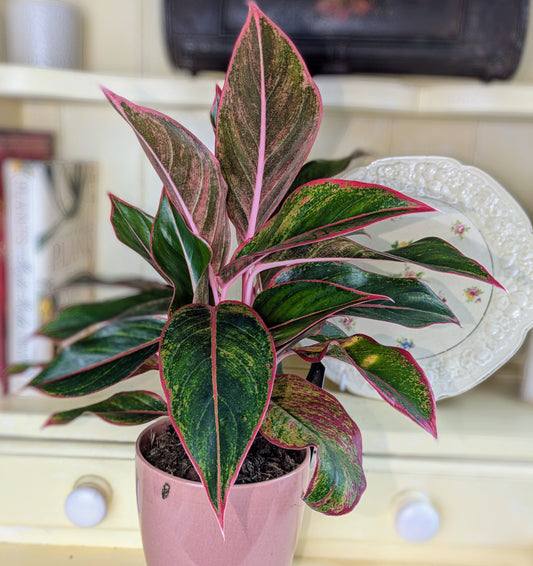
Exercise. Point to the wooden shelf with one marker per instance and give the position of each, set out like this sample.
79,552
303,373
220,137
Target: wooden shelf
419,96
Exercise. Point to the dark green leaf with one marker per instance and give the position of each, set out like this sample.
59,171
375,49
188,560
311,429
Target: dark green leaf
182,256
76,318
411,303
291,308
321,169
439,255
124,408
104,358
138,283
214,107
133,228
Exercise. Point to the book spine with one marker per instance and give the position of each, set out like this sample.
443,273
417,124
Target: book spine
21,144
24,263
50,237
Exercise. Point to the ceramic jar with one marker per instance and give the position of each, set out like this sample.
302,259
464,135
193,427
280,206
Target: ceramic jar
179,526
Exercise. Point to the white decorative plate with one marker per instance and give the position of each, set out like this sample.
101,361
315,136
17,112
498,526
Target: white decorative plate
480,218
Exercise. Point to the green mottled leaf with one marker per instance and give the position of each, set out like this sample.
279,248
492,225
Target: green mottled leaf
391,371
182,256
326,208
339,248
124,408
323,169
217,366
291,308
188,170
104,358
300,415
320,169
76,318
268,118
411,302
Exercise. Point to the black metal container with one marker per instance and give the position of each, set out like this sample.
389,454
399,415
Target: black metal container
479,38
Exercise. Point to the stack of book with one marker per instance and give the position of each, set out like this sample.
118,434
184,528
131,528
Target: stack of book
49,237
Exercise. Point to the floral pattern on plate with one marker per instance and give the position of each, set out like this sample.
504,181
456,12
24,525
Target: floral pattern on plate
481,219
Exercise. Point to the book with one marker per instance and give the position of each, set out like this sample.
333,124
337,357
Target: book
22,144
50,237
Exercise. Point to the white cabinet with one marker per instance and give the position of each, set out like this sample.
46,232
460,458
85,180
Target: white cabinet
477,479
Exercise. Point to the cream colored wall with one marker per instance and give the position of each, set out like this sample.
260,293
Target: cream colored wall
126,37
503,148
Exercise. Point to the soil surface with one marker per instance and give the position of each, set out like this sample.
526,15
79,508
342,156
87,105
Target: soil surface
263,462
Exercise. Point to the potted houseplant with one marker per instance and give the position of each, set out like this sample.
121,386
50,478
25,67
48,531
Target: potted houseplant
220,360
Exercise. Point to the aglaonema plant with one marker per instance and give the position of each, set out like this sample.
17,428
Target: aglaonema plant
220,360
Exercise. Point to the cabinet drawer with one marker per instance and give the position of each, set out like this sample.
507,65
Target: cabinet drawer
484,508
33,491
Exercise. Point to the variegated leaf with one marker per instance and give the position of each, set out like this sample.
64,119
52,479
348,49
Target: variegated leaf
217,370
188,170
300,415
268,118
291,308
392,372
326,208
410,302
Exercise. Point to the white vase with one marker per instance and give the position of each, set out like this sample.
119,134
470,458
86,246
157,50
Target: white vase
43,33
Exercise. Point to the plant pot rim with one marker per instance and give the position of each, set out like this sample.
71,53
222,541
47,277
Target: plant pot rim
197,484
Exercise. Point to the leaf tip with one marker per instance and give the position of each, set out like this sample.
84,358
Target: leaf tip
51,421
432,428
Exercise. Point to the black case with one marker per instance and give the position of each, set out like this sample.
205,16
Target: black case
479,38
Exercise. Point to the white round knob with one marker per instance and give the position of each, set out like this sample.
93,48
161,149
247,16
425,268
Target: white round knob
86,504
417,520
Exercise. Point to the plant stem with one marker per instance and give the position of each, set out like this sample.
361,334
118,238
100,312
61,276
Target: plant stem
214,285
248,287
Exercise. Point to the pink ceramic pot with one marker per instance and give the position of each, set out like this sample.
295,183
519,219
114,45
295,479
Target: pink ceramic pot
179,527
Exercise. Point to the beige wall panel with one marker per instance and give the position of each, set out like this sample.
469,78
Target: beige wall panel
101,135
112,35
504,150
154,55
342,132
449,138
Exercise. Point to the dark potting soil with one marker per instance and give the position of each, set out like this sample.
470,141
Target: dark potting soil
264,460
